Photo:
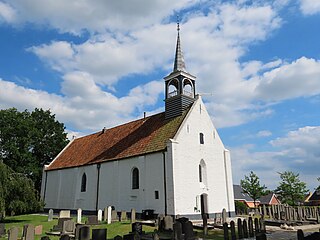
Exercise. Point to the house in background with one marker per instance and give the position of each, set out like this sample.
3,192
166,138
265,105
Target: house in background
314,200
173,163
240,196
269,199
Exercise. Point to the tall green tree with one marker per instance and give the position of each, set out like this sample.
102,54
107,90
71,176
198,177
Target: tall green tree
251,186
28,140
291,189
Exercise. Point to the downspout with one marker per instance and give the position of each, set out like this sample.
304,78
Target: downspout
165,183
98,180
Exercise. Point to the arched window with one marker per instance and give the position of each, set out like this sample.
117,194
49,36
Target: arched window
200,173
172,88
84,183
188,88
203,172
201,135
135,178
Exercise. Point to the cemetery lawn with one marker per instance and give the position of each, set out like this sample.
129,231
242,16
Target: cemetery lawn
114,229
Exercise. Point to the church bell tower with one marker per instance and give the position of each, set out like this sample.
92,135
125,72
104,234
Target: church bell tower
179,85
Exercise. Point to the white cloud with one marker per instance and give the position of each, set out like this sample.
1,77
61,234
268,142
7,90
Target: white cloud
7,13
309,7
264,133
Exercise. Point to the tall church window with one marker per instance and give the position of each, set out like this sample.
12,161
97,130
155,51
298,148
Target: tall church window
203,172
135,178
200,173
84,183
201,135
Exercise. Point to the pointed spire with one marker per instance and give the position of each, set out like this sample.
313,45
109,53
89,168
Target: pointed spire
179,64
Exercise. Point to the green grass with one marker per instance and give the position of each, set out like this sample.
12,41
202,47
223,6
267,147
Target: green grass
114,229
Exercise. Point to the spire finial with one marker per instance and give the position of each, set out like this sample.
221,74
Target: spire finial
179,64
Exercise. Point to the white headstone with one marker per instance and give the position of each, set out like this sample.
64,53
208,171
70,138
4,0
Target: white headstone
50,215
99,215
109,215
64,214
79,215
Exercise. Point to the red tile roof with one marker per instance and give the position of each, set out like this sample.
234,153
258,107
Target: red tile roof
131,139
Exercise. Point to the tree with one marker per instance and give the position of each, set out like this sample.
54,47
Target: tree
30,140
251,186
17,193
291,190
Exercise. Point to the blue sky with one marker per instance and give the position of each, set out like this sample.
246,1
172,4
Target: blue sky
101,63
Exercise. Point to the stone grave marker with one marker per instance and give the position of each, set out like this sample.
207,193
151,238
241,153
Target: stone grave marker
68,227
2,229
224,215
261,236
250,226
13,233
64,237
160,221
245,229
79,215
188,231
59,227
99,234
118,237
136,228
84,233
262,225
28,232
225,231
233,231
256,225
155,236
109,213
45,238
64,214
92,220
123,216
50,215
240,228
177,231
114,216
105,214
168,223
133,215
99,215
38,230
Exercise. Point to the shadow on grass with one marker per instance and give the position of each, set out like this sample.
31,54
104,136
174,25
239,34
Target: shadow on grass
14,221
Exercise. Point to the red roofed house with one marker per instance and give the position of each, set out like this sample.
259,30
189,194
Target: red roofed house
173,162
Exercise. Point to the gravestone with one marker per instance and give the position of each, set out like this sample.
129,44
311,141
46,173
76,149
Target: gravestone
177,231
99,215
68,227
92,220
240,228
155,236
59,227
262,225
261,236
79,215
131,236
84,233
109,218
133,215
38,230
245,229
250,226
2,229
168,223
114,216
225,231
224,215
77,231
50,215
64,214
188,231
45,238
28,232
64,237
160,221
13,233
99,234
136,228
118,237
105,214
256,225
218,218
123,216
300,234
233,231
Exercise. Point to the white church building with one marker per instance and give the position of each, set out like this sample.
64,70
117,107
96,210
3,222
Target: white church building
173,162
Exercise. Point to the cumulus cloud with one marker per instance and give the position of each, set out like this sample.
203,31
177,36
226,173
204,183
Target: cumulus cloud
298,151
7,13
309,7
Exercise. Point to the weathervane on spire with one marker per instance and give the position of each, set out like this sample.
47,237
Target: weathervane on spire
178,23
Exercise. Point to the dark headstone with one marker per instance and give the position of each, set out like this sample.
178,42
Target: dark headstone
262,225
225,231
131,236
250,226
160,221
64,237
45,238
245,229
99,234
261,236
233,230
2,229
84,233
92,220
300,234
177,231
256,225
77,231
13,233
118,237
240,228
188,231
136,228
59,227
313,236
